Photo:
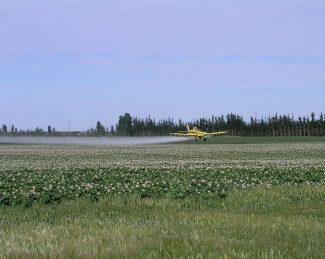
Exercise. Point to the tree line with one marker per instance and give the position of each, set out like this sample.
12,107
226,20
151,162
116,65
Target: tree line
234,124
276,125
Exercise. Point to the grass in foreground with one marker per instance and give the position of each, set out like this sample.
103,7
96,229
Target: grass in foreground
257,223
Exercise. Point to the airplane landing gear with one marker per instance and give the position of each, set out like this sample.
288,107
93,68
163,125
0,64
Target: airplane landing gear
205,139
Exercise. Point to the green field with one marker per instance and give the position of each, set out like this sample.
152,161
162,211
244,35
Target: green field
255,140
250,199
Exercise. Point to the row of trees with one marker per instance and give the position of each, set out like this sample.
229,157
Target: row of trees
277,125
36,132
99,130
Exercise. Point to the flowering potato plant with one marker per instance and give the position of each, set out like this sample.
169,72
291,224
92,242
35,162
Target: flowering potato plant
51,173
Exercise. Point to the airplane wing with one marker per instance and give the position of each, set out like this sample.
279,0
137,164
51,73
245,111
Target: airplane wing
217,133
184,134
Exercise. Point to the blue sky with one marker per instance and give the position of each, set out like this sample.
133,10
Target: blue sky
85,61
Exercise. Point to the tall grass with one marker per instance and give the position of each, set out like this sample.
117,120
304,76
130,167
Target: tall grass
280,222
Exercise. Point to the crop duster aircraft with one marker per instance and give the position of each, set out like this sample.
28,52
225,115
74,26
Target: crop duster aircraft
195,132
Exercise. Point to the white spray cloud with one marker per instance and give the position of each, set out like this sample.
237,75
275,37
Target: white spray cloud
91,140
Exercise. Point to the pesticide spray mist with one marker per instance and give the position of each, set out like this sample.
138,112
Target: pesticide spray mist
90,140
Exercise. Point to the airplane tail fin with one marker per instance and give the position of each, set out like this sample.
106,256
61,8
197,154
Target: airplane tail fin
187,127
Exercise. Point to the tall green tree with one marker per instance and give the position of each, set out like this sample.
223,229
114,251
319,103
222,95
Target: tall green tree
4,128
49,130
100,129
124,125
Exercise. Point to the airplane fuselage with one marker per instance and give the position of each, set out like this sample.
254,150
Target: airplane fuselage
196,133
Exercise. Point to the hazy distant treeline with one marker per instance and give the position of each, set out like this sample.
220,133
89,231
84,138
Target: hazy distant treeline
276,125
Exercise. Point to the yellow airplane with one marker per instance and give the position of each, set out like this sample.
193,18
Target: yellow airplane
195,132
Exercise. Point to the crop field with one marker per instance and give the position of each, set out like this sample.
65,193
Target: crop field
257,140
171,200
51,173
